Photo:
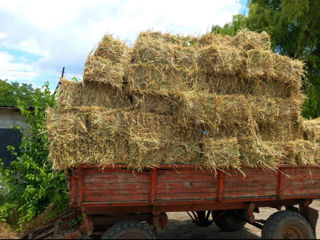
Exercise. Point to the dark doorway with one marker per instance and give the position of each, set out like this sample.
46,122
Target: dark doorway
8,137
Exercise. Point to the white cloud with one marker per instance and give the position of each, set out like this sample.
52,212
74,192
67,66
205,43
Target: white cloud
63,32
9,69
3,35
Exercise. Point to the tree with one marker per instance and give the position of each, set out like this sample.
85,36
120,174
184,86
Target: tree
31,185
10,93
293,26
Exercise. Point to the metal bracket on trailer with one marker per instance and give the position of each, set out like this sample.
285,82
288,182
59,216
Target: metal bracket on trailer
309,213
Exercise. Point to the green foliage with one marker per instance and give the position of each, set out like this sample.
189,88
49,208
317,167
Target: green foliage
75,79
30,183
11,92
238,22
293,26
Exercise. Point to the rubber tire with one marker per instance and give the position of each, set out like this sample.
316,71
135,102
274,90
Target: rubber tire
229,221
279,220
141,231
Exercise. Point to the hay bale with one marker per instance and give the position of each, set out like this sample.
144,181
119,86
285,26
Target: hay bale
162,63
74,150
152,77
298,152
112,49
152,152
219,116
71,141
100,136
69,93
244,40
101,70
220,154
220,59
229,85
74,94
248,40
273,119
214,38
267,65
255,153
277,119
152,101
311,130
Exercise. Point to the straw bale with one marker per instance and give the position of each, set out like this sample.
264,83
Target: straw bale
168,37
74,150
255,153
69,93
74,94
222,84
274,119
223,59
268,65
228,84
223,153
72,141
159,102
72,122
100,136
98,69
149,76
248,40
162,62
155,48
298,152
112,49
151,152
277,119
245,40
217,115
214,38
311,130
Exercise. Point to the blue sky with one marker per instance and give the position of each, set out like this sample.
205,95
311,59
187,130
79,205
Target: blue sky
38,38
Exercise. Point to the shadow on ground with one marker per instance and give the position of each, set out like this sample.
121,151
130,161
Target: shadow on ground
186,229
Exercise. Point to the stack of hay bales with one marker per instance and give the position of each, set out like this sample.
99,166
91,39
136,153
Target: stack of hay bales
210,101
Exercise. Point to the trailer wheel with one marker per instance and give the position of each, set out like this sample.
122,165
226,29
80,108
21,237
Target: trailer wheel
129,230
229,220
287,225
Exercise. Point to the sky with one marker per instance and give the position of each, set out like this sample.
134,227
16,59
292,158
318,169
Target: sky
38,38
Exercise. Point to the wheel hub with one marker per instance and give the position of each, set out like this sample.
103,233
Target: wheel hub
292,232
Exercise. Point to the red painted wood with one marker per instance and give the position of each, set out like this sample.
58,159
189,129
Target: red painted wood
142,190
114,177
247,194
153,184
162,186
171,186
220,189
116,197
115,186
190,190
184,178
186,196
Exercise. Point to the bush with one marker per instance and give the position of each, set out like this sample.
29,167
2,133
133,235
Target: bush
29,183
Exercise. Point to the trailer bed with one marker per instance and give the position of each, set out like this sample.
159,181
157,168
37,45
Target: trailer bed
181,185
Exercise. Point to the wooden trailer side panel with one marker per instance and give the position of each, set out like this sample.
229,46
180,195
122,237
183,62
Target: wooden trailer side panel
300,181
184,185
118,186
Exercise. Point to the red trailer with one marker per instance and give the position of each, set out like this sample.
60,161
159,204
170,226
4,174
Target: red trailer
118,203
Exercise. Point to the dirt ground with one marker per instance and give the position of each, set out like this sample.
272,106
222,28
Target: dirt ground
181,227
6,232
